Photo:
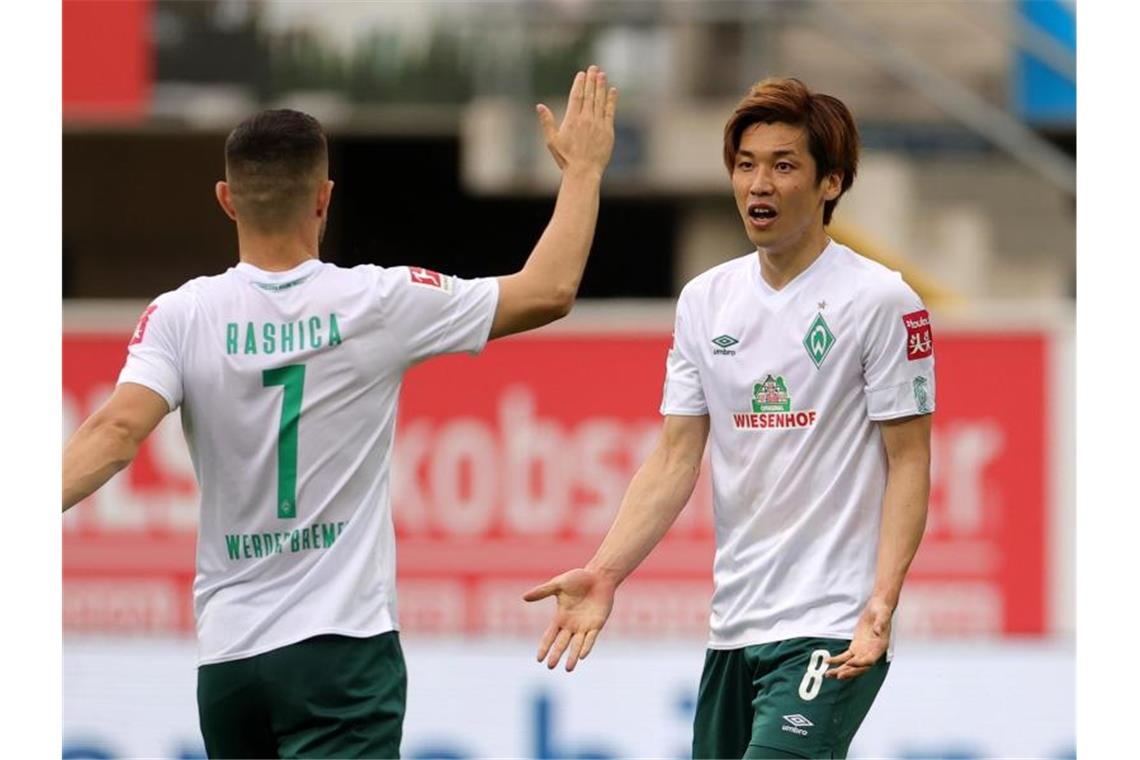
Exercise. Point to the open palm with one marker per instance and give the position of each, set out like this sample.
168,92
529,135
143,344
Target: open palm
586,133
584,600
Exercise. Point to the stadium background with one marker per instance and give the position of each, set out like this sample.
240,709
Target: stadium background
510,465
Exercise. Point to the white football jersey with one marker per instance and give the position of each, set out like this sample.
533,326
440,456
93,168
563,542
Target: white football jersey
793,382
288,384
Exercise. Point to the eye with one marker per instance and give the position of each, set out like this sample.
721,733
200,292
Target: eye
784,166
743,164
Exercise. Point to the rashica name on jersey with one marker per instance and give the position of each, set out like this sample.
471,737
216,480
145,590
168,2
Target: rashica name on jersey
772,408
282,337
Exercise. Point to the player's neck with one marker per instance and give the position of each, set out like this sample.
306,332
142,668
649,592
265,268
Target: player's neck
278,252
779,266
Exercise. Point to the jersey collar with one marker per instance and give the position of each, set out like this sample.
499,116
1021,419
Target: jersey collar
780,297
278,280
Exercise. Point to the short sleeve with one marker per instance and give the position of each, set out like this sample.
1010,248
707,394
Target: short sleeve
154,353
683,393
437,313
898,352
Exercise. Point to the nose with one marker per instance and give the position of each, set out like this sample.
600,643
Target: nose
761,182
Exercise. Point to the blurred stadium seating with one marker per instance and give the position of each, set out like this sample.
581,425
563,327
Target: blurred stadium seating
967,112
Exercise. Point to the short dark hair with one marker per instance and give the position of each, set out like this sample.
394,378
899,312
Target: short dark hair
271,160
833,139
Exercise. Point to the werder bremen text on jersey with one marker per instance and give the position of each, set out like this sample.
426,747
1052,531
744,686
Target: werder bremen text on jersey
282,337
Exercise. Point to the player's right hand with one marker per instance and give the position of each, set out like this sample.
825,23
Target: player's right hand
585,598
585,138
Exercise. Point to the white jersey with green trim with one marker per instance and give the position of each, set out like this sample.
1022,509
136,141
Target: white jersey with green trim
794,382
288,384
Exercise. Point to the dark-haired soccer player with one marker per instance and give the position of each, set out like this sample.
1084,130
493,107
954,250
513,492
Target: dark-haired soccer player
820,424
287,371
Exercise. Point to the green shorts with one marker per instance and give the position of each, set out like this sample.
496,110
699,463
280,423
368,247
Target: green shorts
771,700
328,696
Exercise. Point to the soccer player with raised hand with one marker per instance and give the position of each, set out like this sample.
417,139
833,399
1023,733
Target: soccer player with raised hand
819,419
287,372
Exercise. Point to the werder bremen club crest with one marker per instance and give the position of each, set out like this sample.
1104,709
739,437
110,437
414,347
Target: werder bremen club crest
819,340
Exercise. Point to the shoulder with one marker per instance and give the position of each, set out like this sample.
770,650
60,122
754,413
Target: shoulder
714,280
399,276
179,303
201,288
874,285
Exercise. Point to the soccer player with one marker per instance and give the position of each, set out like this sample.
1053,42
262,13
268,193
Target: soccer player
812,367
287,371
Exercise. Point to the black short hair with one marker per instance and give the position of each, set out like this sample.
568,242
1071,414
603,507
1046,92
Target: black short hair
272,161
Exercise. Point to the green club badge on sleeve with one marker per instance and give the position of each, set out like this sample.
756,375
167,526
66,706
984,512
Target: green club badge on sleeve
921,396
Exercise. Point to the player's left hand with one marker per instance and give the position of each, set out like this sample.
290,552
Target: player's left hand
585,598
872,634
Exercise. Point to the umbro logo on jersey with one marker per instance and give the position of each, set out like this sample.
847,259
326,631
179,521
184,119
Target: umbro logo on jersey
724,344
430,279
797,724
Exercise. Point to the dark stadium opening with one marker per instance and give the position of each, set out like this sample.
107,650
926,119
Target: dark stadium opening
397,201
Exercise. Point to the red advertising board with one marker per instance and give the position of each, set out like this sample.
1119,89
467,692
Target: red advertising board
508,468
107,58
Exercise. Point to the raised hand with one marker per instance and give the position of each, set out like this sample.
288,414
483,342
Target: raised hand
872,634
585,598
586,135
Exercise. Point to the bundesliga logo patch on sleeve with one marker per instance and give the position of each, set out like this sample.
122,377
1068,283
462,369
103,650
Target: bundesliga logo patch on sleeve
140,328
428,279
919,338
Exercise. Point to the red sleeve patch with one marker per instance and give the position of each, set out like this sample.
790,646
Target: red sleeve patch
421,276
429,279
140,328
919,338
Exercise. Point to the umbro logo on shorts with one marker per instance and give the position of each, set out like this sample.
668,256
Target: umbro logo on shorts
798,724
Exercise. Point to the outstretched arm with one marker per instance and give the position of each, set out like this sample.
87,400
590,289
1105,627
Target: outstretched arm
109,439
656,495
545,288
907,442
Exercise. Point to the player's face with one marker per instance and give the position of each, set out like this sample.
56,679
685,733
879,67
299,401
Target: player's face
776,191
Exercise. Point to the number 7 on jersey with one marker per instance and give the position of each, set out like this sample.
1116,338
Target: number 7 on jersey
292,378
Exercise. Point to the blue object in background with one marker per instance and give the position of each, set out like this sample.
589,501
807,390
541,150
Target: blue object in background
1042,96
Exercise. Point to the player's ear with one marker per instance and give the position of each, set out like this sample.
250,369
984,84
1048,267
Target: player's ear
324,197
225,199
832,186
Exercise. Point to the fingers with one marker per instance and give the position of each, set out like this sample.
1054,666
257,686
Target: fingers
840,658
611,105
862,661
546,640
546,122
589,95
600,89
577,91
541,592
560,644
589,643
851,665
575,648
845,673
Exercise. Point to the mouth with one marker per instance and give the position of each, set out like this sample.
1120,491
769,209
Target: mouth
761,216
